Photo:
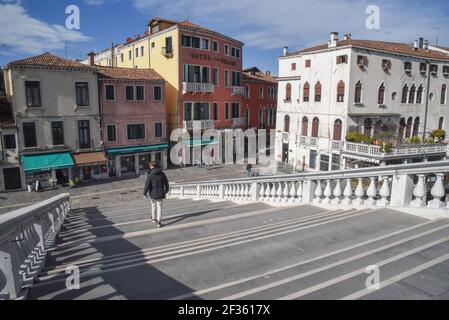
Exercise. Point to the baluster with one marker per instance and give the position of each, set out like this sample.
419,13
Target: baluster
293,192
359,192
262,191
318,192
285,192
247,193
420,192
299,192
337,193
348,192
267,191
273,191
371,192
384,193
437,193
327,192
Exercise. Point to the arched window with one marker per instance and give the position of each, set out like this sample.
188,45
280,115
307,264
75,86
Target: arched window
337,129
287,123
411,95
408,128
341,91
306,92
440,123
381,94
419,94
261,92
247,92
443,94
367,127
305,126
401,128
404,94
288,92
315,127
318,92
358,92
416,127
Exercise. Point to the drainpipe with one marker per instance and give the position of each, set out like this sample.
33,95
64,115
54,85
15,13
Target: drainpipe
427,101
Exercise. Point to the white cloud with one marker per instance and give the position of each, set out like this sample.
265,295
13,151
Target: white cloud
95,2
21,33
269,24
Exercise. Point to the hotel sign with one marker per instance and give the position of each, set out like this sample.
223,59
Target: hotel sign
202,56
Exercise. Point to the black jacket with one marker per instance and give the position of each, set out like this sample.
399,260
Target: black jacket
156,185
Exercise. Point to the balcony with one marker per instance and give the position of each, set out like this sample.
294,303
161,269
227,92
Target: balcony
237,91
167,52
197,87
238,122
199,125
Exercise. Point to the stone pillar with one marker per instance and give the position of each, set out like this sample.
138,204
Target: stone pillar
308,192
8,265
254,193
164,159
401,190
136,163
118,167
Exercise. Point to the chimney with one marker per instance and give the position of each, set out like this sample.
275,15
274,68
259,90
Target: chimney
268,73
416,45
285,51
347,36
333,40
421,43
91,56
426,45
112,54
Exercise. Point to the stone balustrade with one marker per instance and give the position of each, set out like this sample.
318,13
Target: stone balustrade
401,186
26,235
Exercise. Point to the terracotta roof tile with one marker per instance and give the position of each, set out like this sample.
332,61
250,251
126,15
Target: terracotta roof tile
250,74
49,60
128,73
393,47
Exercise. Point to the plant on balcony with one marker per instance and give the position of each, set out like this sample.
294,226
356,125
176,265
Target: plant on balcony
414,140
358,137
386,147
438,135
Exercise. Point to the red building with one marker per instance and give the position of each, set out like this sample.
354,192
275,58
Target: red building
260,101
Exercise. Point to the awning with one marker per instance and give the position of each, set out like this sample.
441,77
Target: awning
45,162
137,149
89,158
199,142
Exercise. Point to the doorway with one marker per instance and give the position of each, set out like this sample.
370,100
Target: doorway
12,177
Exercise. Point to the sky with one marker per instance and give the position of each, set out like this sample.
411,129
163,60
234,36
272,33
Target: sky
31,27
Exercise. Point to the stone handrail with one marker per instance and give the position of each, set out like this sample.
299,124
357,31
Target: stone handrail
26,235
366,187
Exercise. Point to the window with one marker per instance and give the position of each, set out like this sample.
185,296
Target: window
137,52
157,93
416,126
362,61
10,141
407,67
130,55
381,94
386,65
196,74
342,59
226,78
318,92
247,92
404,94
308,63
158,130
141,51
110,92
422,67
305,127
140,93
293,66
129,93
288,92
402,128
29,135
315,127
235,110
226,111
443,94
440,123
358,92
434,69
186,41
341,91
122,57
306,92
408,128
445,71
236,79
136,131
367,127
83,134
287,123
411,95
261,92
33,93
112,133
419,95
205,44
215,76
216,111
168,46
312,160
226,49
57,132
82,93
215,46
337,130
235,52
187,111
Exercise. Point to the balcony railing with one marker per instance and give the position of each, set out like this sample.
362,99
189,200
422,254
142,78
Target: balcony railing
167,52
196,87
199,124
237,91
237,122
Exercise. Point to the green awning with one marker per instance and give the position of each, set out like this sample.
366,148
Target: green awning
137,149
45,162
199,142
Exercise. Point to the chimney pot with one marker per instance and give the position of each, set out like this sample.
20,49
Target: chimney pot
333,39
285,51
347,36
421,42
91,56
268,73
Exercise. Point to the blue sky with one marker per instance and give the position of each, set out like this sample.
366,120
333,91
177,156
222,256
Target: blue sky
29,27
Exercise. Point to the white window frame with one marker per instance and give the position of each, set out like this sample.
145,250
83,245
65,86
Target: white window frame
134,92
144,131
107,132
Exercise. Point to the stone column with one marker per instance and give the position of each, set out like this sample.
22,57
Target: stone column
401,190
309,187
164,159
136,163
118,167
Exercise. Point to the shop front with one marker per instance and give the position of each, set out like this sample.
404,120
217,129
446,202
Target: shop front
134,160
90,166
45,170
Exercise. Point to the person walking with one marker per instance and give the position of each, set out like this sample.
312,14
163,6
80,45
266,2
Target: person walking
156,187
249,168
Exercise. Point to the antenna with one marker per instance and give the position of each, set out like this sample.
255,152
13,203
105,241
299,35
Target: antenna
438,33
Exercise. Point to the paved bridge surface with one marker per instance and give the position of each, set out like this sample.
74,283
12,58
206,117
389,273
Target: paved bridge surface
220,250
